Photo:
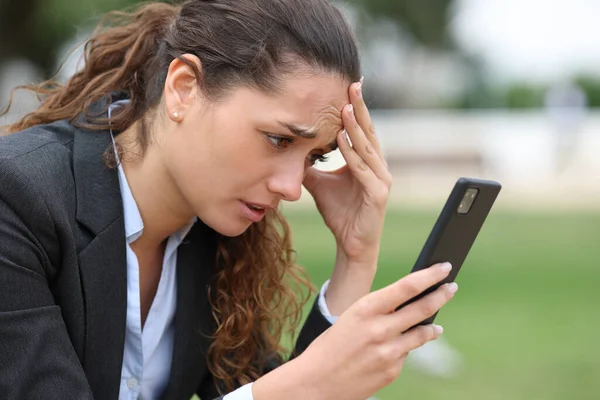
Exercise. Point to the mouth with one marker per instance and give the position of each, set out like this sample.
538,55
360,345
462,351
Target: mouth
254,212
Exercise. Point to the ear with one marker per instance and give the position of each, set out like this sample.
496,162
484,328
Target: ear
181,86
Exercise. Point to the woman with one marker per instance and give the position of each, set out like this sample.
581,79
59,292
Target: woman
142,254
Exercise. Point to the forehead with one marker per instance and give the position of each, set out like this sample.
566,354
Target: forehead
311,101
314,101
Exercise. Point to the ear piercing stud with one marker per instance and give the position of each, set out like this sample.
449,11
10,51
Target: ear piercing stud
176,115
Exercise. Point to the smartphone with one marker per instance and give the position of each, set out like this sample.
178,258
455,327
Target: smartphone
456,229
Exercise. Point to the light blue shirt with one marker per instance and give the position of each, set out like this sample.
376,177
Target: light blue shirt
148,352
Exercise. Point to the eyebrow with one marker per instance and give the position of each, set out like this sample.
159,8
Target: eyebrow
307,133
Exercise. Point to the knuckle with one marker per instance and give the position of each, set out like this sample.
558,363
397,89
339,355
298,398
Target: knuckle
399,350
378,334
362,165
382,356
444,293
425,334
410,287
364,306
428,307
371,129
388,180
381,195
390,374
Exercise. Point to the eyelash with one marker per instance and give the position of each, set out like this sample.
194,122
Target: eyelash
274,139
276,142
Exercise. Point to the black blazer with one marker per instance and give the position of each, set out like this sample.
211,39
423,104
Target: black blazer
63,277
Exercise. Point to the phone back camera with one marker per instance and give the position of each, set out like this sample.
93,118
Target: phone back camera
467,201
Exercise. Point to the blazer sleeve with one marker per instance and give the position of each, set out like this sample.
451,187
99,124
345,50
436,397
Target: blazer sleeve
37,359
314,325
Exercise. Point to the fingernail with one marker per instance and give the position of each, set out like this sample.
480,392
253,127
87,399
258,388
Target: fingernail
452,287
446,267
351,111
346,137
359,90
438,329
362,80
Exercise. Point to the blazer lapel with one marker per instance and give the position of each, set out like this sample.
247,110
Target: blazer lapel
102,263
103,266
193,319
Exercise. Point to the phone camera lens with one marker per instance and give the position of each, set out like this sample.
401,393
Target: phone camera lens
468,200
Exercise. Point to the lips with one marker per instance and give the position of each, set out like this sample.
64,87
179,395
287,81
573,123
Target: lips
252,211
255,207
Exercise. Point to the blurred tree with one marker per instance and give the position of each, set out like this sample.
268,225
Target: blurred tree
591,87
512,96
524,96
426,20
35,29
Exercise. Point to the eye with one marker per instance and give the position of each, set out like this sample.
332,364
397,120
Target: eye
280,142
314,158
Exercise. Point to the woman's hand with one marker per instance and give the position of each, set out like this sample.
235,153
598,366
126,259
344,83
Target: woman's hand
352,201
365,349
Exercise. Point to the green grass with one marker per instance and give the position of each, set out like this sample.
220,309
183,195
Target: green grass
526,317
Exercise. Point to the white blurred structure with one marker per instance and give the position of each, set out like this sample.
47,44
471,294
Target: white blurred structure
532,40
14,73
566,105
437,359
428,150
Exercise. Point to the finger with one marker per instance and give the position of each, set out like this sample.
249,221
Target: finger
417,337
385,300
363,116
363,147
315,177
420,310
359,168
312,179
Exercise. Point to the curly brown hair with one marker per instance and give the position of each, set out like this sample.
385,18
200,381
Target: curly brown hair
257,295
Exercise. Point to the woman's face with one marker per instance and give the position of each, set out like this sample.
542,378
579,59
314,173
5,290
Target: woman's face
234,159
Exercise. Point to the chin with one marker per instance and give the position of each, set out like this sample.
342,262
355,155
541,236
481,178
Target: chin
229,227
232,231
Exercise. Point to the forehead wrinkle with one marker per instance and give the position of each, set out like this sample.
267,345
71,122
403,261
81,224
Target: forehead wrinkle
329,115
311,132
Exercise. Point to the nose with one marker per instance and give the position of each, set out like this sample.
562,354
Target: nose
287,182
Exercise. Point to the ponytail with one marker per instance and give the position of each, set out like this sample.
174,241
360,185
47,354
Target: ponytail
122,48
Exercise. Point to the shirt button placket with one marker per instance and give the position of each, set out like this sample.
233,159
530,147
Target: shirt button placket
132,383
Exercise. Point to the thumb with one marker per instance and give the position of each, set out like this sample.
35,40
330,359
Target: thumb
312,180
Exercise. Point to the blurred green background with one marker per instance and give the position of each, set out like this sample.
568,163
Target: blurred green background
525,319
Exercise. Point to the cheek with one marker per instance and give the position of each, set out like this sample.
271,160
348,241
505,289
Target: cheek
190,152
248,162
227,160
244,154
